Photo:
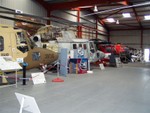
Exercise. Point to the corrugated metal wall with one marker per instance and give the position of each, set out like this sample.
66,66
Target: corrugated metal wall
102,31
131,38
146,39
27,6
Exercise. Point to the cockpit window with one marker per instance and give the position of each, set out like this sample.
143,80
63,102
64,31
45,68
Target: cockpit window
92,48
21,38
74,46
80,45
36,56
84,46
21,42
1,43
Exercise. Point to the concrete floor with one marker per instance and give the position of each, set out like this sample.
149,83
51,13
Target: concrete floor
113,90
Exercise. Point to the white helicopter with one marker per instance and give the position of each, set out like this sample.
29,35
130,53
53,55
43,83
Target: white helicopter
58,38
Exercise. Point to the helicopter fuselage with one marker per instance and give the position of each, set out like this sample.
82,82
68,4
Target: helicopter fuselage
15,43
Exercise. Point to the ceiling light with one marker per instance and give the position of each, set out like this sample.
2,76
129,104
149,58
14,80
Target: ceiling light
126,15
95,8
110,20
117,22
18,11
147,17
86,6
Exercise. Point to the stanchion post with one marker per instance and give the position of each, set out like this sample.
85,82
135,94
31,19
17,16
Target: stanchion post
58,79
24,73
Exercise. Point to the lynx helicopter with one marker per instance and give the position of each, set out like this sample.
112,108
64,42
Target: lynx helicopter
16,43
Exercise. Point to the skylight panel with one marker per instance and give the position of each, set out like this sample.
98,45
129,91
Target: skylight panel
110,20
126,15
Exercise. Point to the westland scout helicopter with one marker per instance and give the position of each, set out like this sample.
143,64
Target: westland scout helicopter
16,43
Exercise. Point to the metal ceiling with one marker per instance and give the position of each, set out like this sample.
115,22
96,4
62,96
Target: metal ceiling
58,1
135,22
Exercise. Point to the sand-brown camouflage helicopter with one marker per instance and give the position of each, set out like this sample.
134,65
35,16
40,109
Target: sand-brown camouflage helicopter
16,43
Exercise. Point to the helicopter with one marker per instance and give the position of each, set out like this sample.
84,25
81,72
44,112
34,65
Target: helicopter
55,38
17,44
44,46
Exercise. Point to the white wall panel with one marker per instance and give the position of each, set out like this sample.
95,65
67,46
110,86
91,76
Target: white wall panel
27,6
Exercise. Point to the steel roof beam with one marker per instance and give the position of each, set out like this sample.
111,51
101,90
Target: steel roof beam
137,18
136,15
111,14
129,29
129,25
99,20
78,3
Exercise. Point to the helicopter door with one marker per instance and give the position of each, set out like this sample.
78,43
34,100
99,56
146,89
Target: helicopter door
5,45
94,55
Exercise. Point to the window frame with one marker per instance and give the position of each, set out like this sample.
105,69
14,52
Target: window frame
1,43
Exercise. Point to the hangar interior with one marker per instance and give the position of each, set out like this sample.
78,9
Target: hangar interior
120,89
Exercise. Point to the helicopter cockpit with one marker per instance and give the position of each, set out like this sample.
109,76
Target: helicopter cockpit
22,42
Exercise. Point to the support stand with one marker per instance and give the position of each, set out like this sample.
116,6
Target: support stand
57,79
8,66
21,106
89,68
24,73
27,103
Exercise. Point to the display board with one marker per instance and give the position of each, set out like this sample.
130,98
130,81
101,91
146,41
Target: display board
8,65
38,78
27,103
101,66
63,62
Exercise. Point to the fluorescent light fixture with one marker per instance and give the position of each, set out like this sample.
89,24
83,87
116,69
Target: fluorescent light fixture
110,20
126,15
18,11
147,17
95,8
86,6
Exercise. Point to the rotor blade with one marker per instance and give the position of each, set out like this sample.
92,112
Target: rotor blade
42,18
119,8
21,20
33,16
7,8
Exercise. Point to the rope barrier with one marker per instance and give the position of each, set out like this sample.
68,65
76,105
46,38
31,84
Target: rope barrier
31,78
13,77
